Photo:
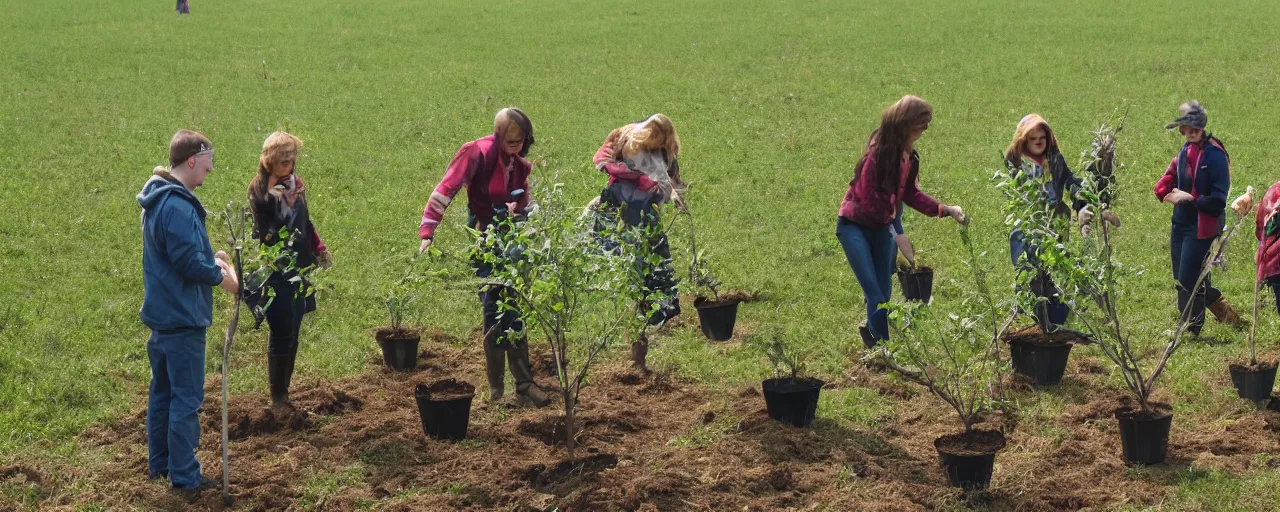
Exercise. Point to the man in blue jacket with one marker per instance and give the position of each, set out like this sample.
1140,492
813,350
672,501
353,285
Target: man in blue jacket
179,270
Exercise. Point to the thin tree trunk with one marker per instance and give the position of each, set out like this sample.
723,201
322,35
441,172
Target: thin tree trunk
568,423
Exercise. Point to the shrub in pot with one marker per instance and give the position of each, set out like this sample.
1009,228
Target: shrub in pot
716,314
398,340
952,350
1254,379
575,284
1088,279
789,397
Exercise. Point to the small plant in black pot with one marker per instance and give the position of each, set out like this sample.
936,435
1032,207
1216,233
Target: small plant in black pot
399,341
1254,379
788,396
716,314
954,353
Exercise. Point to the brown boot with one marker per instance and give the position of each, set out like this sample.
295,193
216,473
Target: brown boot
1224,313
522,372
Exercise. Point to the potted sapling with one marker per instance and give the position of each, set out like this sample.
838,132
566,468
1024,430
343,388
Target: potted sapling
398,340
1088,277
790,397
1039,351
716,314
954,353
575,284
1252,378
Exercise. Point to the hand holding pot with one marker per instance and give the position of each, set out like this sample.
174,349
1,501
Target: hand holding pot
1177,196
956,213
905,249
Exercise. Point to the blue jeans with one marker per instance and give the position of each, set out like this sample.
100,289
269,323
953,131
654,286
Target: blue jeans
870,252
1051,313
1188,253
173,404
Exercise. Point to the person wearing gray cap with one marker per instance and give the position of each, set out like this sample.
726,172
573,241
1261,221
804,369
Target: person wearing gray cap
1196,184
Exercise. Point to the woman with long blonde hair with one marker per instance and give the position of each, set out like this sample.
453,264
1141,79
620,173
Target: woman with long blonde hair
1034,150
886,175
278,200
642,162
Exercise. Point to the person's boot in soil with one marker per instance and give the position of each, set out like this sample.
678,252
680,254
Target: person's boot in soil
494,366
868,340
1224,313
279,373
527,392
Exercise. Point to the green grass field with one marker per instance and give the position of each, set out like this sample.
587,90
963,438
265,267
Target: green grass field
773,101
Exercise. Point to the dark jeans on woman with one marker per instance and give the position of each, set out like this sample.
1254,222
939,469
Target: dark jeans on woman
1049,313
284,318
1188,254
870,252
504,338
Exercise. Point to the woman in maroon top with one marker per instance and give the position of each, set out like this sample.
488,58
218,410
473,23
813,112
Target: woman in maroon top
886,174
496,176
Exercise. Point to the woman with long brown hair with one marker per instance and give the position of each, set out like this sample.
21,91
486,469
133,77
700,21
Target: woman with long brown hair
887,174
278,200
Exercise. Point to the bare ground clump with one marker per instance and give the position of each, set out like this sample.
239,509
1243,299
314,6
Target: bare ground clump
647,442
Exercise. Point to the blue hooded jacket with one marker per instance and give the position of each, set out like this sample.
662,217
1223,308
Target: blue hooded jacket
177,261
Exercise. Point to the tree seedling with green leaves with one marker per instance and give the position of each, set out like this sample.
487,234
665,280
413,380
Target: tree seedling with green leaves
573,283
953,351
789,396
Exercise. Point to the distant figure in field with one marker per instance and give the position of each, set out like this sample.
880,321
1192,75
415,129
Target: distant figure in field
183,8
179,270
496,175
887,174
1034,149
1196,184
278,199
641,160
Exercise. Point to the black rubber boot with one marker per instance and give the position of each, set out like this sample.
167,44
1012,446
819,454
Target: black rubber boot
279,371
494,357
522,372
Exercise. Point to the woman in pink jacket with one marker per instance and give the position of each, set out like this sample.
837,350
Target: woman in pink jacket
496,175
886,174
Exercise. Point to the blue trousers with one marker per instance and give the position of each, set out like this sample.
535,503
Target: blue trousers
1188,253
1051,313
173,404
870,252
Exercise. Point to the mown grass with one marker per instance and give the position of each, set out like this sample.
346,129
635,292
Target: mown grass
773,101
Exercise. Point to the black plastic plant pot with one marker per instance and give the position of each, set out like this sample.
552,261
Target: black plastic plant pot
399,348
792,401
445,408
1144,434
1254,382
917,283
969,458
1044,363
717,318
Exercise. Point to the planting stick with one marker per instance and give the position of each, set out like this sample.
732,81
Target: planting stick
1257,286
236,237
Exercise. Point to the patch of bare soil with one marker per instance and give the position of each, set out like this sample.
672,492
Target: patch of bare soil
645,442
